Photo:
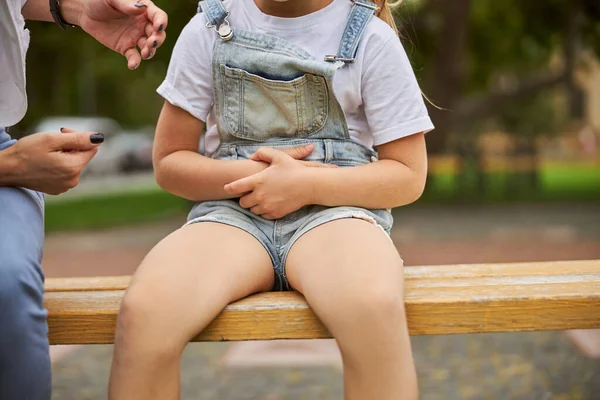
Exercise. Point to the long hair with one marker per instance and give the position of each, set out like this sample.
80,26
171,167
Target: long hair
385,11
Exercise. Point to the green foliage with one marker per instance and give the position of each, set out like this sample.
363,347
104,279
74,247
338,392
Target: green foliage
68,73
111,210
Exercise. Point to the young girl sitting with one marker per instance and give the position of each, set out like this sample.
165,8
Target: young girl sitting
331,81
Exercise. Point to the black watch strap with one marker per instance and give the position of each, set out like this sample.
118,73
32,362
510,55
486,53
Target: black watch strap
55,11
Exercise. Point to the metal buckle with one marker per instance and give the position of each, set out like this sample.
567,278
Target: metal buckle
332,58
369,6
224,29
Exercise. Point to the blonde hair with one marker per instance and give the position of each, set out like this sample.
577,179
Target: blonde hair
385,11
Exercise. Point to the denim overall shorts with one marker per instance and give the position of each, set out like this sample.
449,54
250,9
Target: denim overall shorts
269,92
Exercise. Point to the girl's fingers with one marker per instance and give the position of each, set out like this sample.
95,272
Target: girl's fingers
248,201
316,164
133,58
258,210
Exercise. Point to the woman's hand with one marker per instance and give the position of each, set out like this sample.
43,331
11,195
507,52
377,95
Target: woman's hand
49,162
121,25
280,189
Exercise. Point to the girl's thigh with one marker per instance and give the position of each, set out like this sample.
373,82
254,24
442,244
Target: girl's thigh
192,274
344,263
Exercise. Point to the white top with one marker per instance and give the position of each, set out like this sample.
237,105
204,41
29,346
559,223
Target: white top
14,41
379,93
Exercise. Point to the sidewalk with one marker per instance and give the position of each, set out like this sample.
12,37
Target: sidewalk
528,366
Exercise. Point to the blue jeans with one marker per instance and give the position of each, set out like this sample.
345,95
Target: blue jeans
24,356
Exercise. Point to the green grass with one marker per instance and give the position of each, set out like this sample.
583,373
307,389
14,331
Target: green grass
111,210
556,184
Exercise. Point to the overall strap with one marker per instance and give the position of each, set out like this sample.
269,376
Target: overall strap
360,15
216,15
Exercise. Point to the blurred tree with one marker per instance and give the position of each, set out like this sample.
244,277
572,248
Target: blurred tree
478,60
68,73
484,59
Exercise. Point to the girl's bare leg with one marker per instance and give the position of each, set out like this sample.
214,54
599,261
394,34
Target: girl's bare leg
351,275
179,288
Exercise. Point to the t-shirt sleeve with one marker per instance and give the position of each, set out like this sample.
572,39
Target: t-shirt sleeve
394,106
188,84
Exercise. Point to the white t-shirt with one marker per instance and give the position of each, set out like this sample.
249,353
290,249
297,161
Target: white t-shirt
379,93
14,41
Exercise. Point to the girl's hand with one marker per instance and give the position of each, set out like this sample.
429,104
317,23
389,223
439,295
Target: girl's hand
280,189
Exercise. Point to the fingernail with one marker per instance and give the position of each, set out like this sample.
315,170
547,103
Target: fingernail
149,55
96,138
139,5
155,44
62,129
161,27
310,146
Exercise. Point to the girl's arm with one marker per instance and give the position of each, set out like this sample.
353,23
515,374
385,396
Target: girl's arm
181,170
398,178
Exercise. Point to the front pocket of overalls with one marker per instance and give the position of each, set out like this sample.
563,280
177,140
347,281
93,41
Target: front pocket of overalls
257,108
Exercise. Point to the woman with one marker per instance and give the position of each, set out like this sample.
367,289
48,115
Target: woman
49,162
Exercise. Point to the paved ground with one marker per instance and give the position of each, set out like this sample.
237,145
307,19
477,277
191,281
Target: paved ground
528,366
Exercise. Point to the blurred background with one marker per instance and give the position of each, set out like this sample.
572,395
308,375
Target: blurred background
514,176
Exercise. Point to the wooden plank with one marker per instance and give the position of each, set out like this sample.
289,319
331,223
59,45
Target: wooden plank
436,304
413,272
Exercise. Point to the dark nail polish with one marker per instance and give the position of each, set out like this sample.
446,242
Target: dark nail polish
161,27
97,138
149,55
139,5
62,129
155,44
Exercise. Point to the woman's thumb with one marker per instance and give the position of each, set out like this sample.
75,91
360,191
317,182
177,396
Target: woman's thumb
79,141
130,7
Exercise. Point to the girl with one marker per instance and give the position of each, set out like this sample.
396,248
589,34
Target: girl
326,78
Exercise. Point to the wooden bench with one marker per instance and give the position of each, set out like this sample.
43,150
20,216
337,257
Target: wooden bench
439,300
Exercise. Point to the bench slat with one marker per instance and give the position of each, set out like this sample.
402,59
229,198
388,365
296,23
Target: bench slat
475,299
421,273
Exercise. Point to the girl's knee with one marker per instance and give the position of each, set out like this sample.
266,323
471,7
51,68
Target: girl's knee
373,306
139,325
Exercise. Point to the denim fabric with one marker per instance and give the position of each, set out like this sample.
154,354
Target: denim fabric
269,92
24,356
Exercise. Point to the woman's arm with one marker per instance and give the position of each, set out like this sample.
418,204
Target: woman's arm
398,178
181,170
120,25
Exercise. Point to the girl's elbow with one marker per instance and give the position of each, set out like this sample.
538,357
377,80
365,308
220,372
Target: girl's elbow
412,190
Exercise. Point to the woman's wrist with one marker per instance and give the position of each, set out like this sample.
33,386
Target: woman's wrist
9,167
39,10
71,10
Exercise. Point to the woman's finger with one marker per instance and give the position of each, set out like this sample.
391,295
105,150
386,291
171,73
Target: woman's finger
133,58
153,43
157,17
141,43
